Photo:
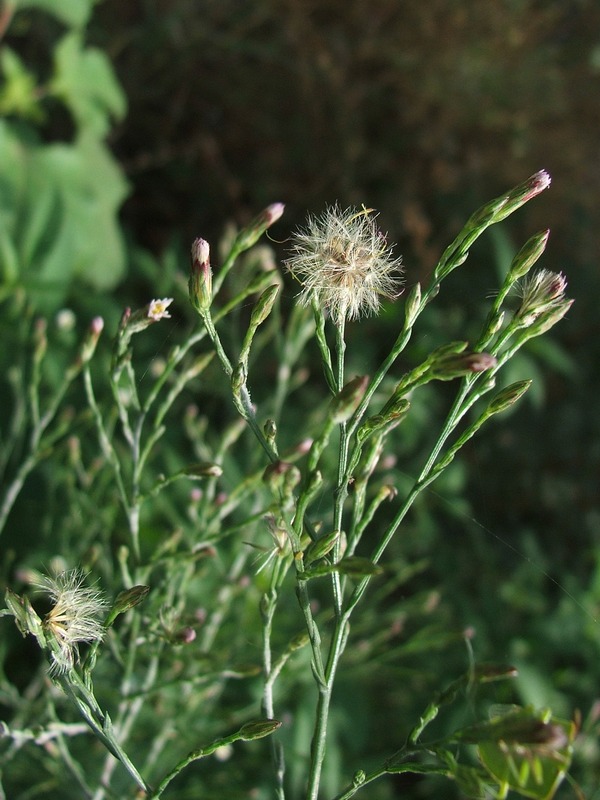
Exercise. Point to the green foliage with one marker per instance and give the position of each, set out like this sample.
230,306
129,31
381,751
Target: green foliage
201,635
59,200
128,460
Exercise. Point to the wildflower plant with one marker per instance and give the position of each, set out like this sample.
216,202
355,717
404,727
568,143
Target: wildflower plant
284,531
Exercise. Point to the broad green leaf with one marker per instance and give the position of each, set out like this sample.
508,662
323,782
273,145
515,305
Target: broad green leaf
58,215
85,81
18,94
74,13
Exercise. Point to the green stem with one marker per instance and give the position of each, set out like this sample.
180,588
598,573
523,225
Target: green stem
270,605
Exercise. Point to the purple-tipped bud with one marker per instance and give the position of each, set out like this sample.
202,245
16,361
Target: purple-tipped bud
91,340
200,281
524,192
456,365
273,213
252,232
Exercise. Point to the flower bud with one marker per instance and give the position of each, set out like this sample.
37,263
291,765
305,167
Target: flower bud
456,365
200,281
320,547
129,599
252,232
412,306
91,340
522,193
346,401
263,307
203,470
508,396
258,729
528,255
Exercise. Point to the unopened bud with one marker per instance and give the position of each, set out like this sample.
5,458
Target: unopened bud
321,547
524,192
39,338
252,232
528,255
412,306
460,364
129,599
275,474
263,307
200,281
345,403
238,379
258,729
270,430
203,470
508,396
91,340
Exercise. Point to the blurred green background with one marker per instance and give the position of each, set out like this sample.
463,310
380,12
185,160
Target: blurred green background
130,128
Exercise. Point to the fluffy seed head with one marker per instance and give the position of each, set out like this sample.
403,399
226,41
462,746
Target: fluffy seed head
541,292
76,616
344,263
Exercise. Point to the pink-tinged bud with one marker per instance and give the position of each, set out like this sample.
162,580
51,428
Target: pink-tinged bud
523,193
200,282
200,251
252,232
304,446
185,635
91,340
97,326
479,362
538,183
274,212
456,365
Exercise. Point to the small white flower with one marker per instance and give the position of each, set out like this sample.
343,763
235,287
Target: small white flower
157,309
344,263
76,616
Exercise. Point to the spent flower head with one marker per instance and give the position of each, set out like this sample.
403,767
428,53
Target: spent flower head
77,615
541,292
344,263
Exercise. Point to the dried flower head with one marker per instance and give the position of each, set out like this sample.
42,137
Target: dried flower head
76,616
541,292
344,263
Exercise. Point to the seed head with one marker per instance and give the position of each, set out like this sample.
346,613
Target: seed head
541,292
75,617
344,263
